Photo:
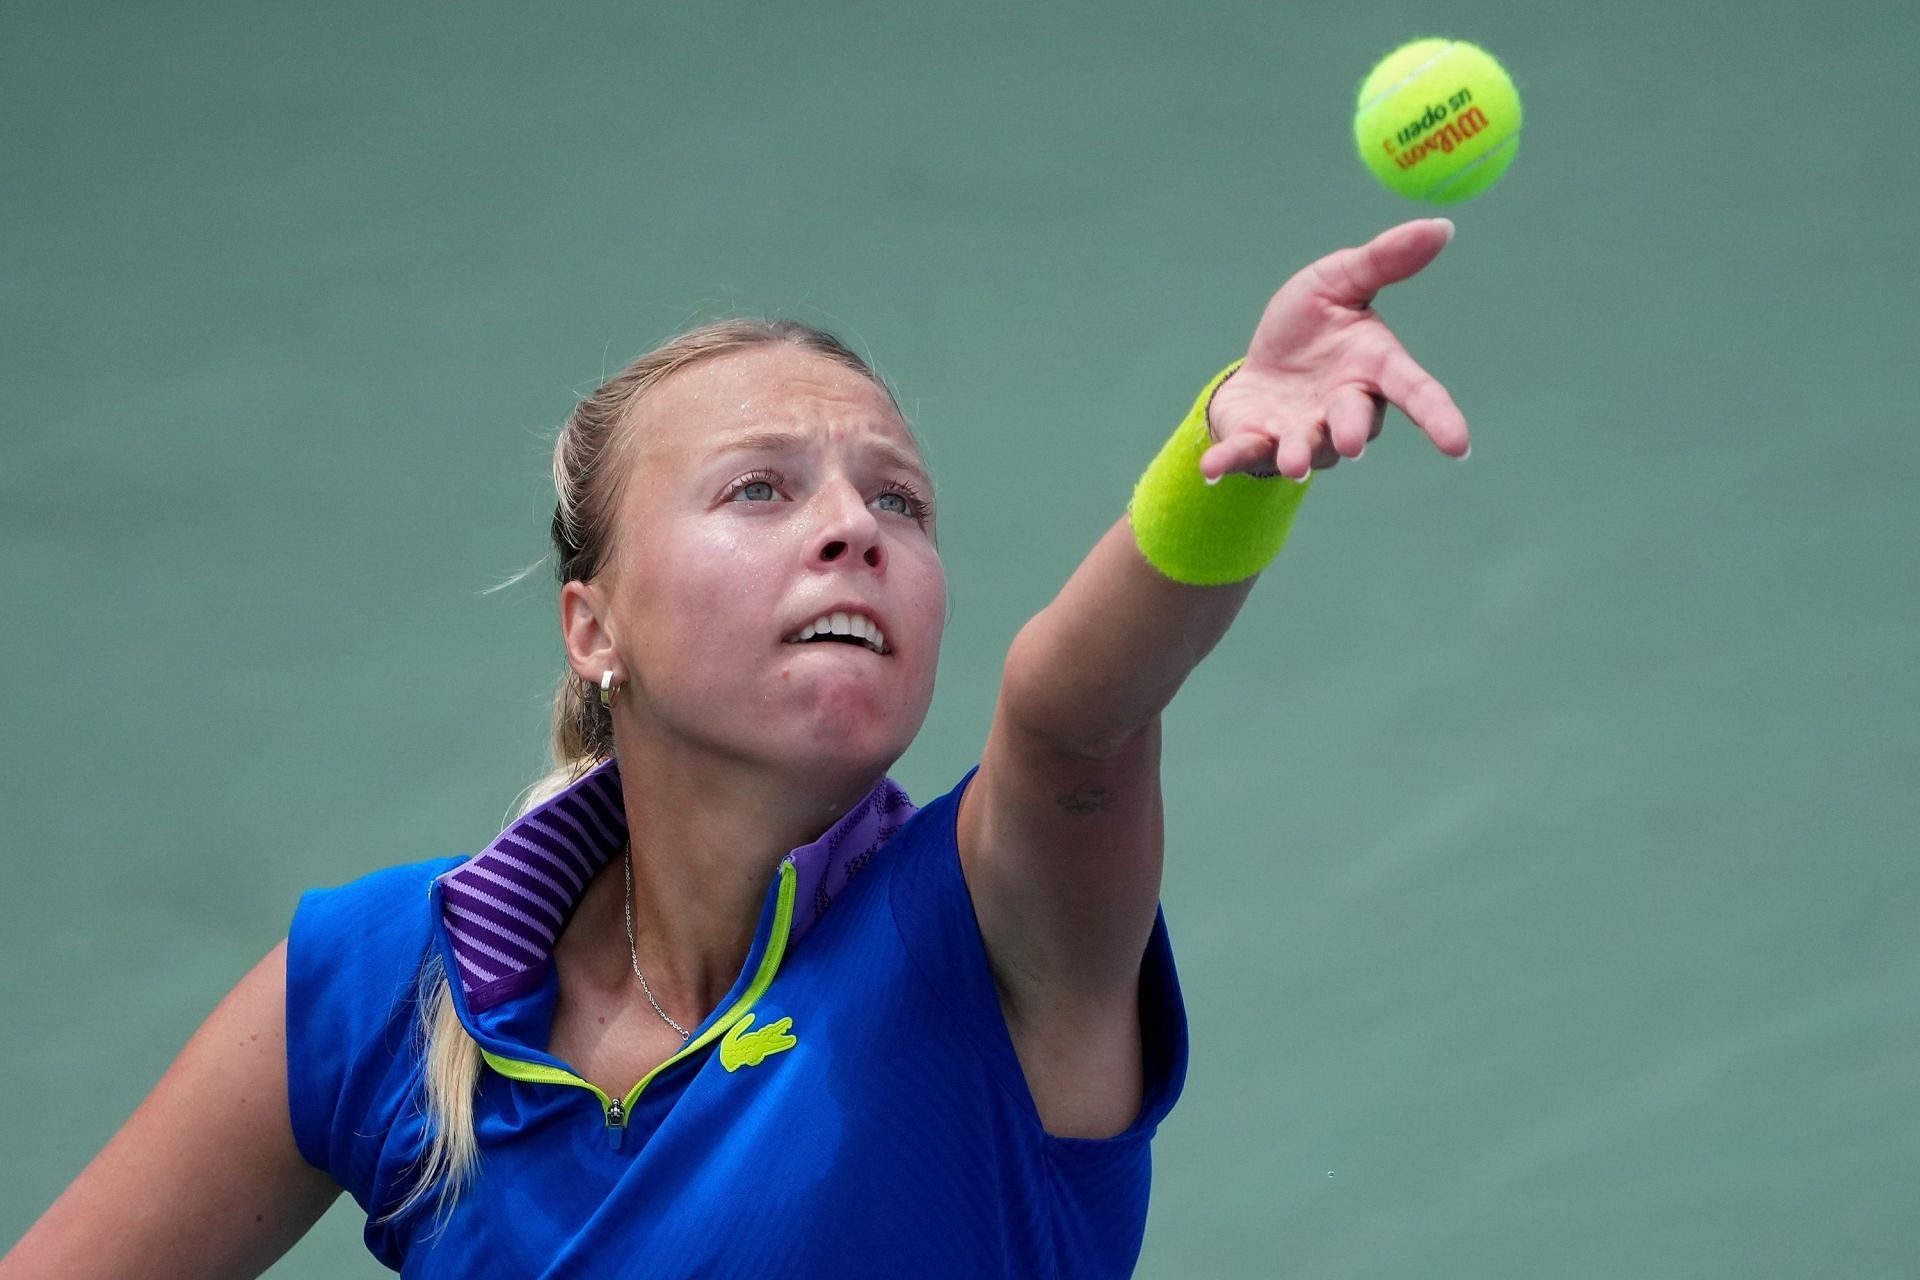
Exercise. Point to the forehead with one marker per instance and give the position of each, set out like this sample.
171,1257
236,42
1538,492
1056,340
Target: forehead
765,390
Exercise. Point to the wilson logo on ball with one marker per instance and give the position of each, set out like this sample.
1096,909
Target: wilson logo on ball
1454,134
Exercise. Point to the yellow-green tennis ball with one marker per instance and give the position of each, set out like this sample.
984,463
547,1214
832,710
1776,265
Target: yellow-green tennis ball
1437,120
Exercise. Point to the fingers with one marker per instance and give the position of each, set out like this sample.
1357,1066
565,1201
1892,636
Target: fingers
1351,277
1257,452
1421,397
1324,368
1293,456
1353,418
1248,450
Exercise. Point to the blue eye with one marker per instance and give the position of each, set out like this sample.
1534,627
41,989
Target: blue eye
755,491
904,500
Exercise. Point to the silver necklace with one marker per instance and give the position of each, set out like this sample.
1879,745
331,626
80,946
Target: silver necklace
633,953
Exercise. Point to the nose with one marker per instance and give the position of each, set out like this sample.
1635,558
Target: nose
848,533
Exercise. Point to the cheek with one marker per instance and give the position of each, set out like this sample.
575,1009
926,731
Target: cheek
704,590
929,599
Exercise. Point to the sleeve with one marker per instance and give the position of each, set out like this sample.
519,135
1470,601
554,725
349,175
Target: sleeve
1102,1185
934,909
1099,1186
354,954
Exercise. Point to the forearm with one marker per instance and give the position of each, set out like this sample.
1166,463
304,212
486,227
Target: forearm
1106,657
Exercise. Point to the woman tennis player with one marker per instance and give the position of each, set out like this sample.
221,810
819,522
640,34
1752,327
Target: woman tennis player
721,1001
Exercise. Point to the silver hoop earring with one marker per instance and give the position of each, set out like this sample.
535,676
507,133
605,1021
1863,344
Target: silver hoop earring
608,690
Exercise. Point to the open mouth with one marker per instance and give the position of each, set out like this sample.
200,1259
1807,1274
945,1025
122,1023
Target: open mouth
842,628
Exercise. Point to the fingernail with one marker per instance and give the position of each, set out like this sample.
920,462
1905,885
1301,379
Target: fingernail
1467,454
1303,479
1211,480
1448,224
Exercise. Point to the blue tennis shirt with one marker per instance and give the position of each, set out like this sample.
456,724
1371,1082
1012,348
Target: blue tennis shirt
853,1107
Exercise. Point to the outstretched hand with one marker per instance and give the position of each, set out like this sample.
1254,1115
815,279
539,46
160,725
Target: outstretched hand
1323,366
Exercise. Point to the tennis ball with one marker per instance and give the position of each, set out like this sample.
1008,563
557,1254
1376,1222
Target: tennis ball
1437,120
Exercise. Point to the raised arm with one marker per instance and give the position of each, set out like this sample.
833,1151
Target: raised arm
204,1179
1060,831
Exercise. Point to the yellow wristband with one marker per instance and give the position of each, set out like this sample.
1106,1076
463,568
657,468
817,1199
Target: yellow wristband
1202,534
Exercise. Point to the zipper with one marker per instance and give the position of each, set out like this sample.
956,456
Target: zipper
616,1122
617,1110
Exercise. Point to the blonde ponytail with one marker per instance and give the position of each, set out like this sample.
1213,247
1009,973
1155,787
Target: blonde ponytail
450,1070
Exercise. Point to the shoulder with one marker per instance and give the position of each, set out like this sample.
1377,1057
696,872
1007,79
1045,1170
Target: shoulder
387,886
360,943
933,906
932,909
353,966
922,862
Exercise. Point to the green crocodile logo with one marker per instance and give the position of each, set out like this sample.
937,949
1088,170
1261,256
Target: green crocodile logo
743,1048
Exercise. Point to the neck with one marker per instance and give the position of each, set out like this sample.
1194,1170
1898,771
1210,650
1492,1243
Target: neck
707,836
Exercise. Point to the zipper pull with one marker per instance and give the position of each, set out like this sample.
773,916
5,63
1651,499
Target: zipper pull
616,1122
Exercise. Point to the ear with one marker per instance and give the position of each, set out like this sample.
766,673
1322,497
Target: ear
591,648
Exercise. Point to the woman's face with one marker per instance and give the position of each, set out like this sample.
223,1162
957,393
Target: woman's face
769,489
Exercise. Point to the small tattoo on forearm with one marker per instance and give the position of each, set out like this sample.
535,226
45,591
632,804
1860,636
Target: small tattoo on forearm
1088,798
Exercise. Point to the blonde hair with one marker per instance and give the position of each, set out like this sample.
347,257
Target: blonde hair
588,464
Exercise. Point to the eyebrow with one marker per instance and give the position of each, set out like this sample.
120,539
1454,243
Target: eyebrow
783,441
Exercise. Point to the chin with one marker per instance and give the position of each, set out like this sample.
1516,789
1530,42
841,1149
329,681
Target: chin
857,721
855,743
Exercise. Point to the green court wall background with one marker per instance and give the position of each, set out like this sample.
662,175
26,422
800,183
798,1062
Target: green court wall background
1541,862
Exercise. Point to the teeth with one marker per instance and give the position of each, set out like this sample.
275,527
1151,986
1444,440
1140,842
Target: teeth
844,624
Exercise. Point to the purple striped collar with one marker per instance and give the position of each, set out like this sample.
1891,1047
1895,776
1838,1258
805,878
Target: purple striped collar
505,907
